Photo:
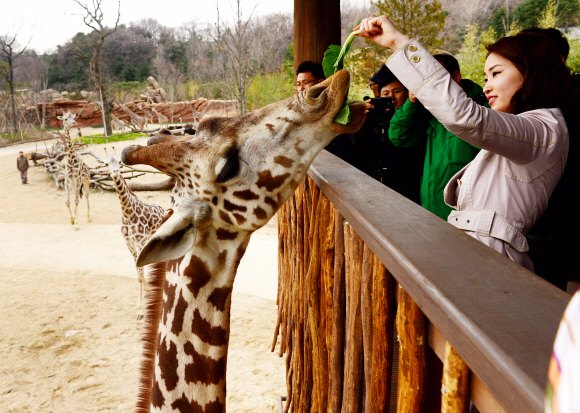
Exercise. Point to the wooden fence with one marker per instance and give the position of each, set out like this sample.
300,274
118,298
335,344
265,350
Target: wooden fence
350,251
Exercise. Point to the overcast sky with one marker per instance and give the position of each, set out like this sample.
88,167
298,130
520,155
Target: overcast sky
57,21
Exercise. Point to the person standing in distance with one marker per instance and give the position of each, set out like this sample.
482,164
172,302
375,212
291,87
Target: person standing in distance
22,166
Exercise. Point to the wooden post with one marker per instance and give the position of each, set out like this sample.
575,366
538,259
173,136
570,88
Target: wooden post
338,317
354,351
383,293
367,320
316,26
319,367
455,387
412,366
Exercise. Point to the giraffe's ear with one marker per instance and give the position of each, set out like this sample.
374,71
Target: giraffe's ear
171,241
177,235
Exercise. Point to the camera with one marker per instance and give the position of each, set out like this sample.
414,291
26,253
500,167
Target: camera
383,109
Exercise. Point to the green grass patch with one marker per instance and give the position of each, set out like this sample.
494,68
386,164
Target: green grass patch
99,139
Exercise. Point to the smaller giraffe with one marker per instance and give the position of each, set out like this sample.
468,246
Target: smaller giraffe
77,177
139,221
197,116
161,118
136,120
146,115
117,123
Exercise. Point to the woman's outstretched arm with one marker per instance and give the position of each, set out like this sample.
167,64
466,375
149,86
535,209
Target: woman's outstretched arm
520,138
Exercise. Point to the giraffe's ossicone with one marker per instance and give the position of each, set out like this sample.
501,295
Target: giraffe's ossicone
231,178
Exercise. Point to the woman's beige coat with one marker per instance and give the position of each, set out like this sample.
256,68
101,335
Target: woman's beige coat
501,194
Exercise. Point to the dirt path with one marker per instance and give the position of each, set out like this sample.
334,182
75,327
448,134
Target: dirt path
68,338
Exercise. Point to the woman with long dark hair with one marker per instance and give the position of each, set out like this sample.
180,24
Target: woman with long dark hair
524,137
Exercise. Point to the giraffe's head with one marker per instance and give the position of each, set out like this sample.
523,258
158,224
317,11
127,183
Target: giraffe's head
113,162
234,174
68,119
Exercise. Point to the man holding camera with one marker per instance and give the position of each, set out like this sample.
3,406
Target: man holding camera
445,153
370,149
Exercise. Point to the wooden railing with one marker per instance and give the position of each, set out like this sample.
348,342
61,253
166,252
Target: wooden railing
348,246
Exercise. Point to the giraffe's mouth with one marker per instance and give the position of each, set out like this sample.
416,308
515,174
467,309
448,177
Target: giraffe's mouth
339,88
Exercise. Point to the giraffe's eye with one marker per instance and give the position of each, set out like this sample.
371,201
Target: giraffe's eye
231,166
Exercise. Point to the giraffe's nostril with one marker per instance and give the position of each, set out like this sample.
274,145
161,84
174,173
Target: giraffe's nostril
316,91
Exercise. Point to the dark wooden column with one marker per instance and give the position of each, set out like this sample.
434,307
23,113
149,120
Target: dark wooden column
316,26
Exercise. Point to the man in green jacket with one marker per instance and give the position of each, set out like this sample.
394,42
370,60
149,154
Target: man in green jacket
412,126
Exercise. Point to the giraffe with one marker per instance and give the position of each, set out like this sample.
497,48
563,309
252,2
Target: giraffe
117,123
231,178
197,116
77,177
139,221
146,115
161,118
137,121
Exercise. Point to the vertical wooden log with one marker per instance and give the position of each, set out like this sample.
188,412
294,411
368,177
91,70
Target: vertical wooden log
412,366
313,297
328,277
281,276
383,292
289,380
455,387
348,314
287,274
308,211
297,291
367,320
308,376
354,353
315,195
316,26
338,317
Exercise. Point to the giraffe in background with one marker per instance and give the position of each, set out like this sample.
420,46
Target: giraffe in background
77,177
136,120
232,176
146,115
139,221
161,118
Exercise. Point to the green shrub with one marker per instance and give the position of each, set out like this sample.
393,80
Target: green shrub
269,88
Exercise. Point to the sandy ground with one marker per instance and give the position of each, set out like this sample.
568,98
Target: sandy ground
68,337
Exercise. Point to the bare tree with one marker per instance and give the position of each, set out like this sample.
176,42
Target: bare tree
10,52
246,46
93,18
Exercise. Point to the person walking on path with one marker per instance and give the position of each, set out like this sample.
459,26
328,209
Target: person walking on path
22,165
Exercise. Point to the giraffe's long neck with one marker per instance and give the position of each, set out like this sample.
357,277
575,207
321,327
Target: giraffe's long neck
193,334
126,197
69,146
129,112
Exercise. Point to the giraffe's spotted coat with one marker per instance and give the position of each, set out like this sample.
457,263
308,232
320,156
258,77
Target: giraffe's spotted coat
213,335
244,168
198,273
270,182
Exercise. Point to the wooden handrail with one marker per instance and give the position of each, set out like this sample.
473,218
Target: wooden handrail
499,317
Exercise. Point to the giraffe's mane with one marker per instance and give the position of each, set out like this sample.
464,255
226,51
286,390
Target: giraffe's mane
153,311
